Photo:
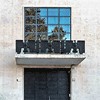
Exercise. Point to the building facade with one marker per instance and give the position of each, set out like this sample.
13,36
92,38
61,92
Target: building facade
84,79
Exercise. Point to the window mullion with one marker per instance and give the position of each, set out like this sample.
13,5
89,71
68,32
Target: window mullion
47,24
59,23
36,24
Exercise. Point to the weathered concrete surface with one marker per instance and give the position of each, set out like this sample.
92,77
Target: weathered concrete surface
85,25
49,59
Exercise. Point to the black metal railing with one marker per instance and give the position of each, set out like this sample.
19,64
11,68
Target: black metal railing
46,47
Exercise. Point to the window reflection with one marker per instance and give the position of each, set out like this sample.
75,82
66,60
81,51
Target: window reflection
30,36
52,12
42,20
43,12
52,28
64,20
42,36
66,28
30,20
52,20
62,32
53,36
47,23
30,28
64,12
53,32
30,11
42,28
67,37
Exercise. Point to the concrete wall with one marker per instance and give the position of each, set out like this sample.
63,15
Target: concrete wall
85,25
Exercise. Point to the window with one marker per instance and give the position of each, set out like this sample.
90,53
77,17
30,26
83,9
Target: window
47,23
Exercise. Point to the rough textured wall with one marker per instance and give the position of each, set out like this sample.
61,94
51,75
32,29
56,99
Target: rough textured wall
85,25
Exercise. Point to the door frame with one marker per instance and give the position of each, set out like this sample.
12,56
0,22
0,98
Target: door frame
70,78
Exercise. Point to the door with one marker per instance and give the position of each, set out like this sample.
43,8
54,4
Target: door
46,84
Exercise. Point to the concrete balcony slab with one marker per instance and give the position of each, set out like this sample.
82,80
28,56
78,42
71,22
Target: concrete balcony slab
49,59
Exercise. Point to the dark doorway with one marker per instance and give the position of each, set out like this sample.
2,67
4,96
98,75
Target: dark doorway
46,84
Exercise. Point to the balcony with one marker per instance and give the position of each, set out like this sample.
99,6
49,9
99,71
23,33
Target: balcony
49,53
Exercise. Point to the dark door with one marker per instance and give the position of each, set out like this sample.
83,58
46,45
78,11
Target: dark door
46,84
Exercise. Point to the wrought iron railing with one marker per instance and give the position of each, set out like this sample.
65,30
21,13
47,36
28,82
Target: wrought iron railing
47,47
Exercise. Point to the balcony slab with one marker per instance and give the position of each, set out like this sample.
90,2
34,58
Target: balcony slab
49,59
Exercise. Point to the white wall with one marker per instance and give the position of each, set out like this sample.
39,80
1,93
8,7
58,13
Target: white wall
85,25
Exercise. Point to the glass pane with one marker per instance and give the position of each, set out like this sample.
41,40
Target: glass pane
29,11
43,12
53,36
52,12
65,28
30,36
42,20
30,20
64,20
42,28
30,28
42,36
52,20
64,31
53,32
67,36
53,28
64,12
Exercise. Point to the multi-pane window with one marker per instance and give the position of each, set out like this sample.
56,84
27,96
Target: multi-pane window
47,23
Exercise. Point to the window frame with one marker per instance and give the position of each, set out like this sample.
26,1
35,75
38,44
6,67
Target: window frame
70,16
